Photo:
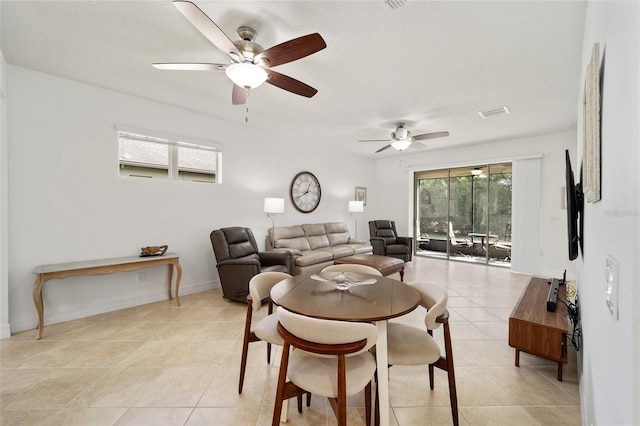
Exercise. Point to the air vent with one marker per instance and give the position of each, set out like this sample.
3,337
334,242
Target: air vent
492,112
395,4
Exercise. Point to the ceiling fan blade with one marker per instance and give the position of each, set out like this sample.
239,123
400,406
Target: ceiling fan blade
238,95
430,136
417,145
290,84
189,66
374,140
208,28
383,148
291,50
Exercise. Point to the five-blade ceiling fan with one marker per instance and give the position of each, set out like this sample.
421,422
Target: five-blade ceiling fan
402,139
250,63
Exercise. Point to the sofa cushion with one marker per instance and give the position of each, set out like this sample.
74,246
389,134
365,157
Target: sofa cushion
289,237
312,257
316,235
360,248
337,233
338,251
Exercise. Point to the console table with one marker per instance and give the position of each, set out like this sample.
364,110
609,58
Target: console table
534,330
99,267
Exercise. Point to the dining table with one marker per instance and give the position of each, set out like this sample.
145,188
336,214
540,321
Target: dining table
377,300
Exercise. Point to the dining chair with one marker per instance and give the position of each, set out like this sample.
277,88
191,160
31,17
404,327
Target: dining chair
325,357
260,286
352,267
409,345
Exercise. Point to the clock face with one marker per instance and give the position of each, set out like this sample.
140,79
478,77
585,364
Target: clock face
305,192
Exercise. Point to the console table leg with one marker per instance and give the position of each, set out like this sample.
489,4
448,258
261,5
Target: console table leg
37,299
517,358
178,278
170,280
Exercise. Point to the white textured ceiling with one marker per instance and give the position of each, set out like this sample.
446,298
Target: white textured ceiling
433,64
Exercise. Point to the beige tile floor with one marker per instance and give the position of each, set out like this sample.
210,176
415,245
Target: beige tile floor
160,364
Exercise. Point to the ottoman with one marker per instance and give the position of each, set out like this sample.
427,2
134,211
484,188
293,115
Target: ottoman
385,264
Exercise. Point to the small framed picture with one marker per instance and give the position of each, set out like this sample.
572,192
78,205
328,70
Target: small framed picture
361,194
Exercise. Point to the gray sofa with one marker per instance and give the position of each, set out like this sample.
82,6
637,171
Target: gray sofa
315,246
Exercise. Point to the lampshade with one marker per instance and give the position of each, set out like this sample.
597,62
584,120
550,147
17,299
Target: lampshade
356,206
273,205
246,74
401,145
476,171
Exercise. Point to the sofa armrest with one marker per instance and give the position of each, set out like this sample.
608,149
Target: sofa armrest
270,258
407,241
356,241
379,245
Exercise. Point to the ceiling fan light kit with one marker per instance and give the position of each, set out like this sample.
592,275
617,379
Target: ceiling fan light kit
401,145
246,75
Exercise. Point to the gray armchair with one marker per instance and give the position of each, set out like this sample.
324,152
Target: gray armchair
238,260
386,242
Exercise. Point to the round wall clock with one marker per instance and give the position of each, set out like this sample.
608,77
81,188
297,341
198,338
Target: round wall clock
305,192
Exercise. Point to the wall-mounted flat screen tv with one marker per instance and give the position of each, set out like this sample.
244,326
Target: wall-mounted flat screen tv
574,210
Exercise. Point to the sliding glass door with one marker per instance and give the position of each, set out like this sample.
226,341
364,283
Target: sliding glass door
464,213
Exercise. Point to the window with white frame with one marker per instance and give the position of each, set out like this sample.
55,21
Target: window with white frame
143,155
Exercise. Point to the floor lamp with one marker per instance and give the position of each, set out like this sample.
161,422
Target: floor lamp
356,207
273,206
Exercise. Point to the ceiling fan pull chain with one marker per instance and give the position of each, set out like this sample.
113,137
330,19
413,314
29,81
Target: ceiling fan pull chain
246,115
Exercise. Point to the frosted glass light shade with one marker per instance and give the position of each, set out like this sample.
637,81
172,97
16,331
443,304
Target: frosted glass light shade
356,206
273,205
401,145
246,75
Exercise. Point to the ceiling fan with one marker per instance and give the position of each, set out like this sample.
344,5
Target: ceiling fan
402,139
250,64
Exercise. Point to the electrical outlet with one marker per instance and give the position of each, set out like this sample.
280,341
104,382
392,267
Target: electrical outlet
611,272
141,277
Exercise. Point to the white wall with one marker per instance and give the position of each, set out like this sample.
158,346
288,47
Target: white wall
67,202
5,329
610,381
393,195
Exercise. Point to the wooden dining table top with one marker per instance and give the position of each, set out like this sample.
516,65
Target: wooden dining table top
387,298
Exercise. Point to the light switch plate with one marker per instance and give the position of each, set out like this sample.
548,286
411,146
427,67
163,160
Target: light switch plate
611,276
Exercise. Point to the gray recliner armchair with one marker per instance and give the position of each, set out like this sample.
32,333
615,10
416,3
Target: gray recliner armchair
386,242
238,260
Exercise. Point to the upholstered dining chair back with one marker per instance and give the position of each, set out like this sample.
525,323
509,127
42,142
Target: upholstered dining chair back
352,267
433,297
260,287
328,332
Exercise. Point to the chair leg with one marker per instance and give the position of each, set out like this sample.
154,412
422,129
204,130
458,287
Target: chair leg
268,353
282,378
367,404
431,381
245,345
453,396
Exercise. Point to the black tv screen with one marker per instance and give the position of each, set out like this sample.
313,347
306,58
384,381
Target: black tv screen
574,207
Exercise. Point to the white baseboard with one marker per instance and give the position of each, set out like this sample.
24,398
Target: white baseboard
5,331
157,296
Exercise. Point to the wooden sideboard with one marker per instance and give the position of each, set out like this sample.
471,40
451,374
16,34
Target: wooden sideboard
534,330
